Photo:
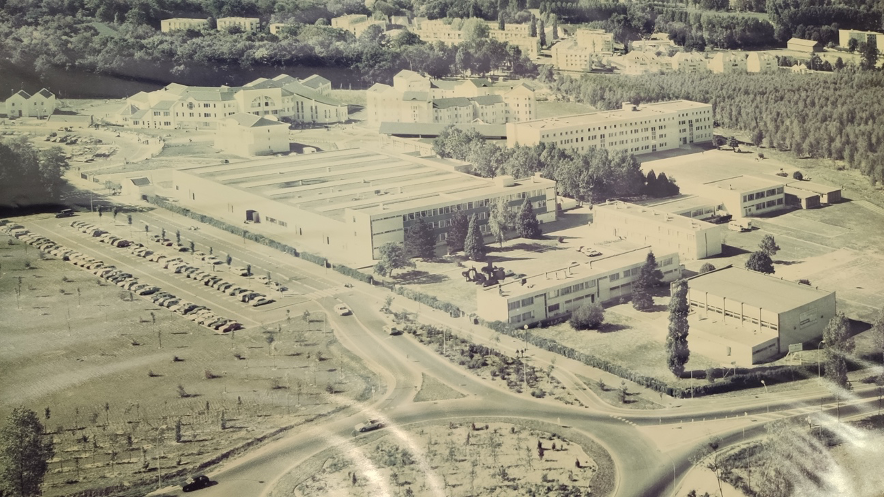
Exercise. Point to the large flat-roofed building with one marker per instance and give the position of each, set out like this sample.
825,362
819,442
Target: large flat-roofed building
690,238
182,24
846,35
746,196
558,292
635,129
352,200
760,313
690,206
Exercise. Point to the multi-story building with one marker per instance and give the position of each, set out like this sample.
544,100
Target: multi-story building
247,134
180,106
247,24
728,62
448,31
182,24
654,46
691,62
637,63
846,35
761,62
635,129
417,99
555,294
746,196
357,24
747,317
579,52
22,104
690,238
353,201
318,84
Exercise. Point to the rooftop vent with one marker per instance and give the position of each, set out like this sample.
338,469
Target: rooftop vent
504,181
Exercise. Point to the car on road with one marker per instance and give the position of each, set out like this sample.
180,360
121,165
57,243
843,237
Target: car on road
240,271
372,424
342,310
263,279
196,483
65,213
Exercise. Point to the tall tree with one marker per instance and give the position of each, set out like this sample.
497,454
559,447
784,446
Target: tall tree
392,257
533,27
677,331
24,454
555,29
649,276
474,247
457,231
420,240
542,36
760,261
500,219
768,246
527,225
839,345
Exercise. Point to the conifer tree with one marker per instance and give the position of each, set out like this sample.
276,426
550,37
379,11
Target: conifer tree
760,262
24,454
420,241
677,331
457,231
839,344
474,248
542,37
533,27
527,223
649,276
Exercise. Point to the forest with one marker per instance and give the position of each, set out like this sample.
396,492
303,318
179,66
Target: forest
28,176
834,115
592,176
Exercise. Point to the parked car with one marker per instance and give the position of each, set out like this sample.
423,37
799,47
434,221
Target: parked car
262,301
240,271
740,225
196,483
372,424
592,253
392,330
342,310
65,213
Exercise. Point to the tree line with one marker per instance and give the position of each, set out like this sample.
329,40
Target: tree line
29,176
820,21
835,116
715,29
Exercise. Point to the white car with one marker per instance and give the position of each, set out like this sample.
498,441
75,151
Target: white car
372,424
342,310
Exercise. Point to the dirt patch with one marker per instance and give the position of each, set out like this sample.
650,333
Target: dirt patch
433,389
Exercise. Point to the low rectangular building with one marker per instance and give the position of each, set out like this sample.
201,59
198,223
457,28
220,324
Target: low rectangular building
557,293
803,198
636,129
247,24
749,302
690,238
352,200
828,194
805,46
746,196
182,24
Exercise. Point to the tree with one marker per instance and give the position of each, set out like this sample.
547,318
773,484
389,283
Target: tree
533,27
758,137
587,317
706,268
677,331
542,36
392,257
852,45
768,246
868,55
839,65
457,231
500,219
708,457
24,455
718,141
501,21
797,175
474,246
733,143
839,345
527,225
420,240
178,237
760,261
555,29
649,276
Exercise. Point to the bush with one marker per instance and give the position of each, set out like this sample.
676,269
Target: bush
706,268
428,300
353,273
797,175
587,317
316,259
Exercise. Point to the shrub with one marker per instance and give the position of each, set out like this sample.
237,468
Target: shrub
706,268
797,175
353,273
587,317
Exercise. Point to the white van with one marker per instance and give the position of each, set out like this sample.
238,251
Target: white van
740,225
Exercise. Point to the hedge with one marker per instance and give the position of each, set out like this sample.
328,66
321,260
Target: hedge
353,273
428,300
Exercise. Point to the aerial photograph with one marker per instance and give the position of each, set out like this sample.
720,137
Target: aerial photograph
466,248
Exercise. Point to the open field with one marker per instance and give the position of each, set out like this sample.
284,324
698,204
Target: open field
112,376
460,459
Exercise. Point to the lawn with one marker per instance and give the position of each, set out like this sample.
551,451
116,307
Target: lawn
548,108
110,375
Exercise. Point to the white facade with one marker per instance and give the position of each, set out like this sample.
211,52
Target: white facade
247,135
578,53
654,46
182,24
846,35
691,62
417,99
449,32
746,196
557,293
635,129
247,24
357,24
728,62
690,238
761,62
637,63
22,104
180,106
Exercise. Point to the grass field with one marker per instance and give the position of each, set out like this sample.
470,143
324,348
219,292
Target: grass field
433,390
111,376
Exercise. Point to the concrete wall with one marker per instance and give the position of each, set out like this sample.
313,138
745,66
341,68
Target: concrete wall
806,322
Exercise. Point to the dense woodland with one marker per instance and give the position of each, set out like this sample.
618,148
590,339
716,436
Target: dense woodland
592,176
836,115
29,176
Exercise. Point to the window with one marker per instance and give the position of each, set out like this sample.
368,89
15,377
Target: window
513,306
527,302
527,315
614,277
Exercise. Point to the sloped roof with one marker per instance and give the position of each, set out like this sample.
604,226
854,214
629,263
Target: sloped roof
45,93
380,88
314,81
480,83
127,110
434,129
164,105
140,181
488,99
21,93
444,85
445,103
253,121
209,95
422,96
410,75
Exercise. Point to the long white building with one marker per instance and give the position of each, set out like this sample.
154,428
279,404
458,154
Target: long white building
449,31
635,129
690,238
746,196
557,293
414,98
180,106
22,104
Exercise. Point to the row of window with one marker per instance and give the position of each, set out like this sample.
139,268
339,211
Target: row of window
767,193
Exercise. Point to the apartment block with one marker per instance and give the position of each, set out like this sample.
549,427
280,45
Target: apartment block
690,238
247,134
247,24
579,52
182,24
635,129
691,62
746,196
557,293
449,31
357,24
728,62
761,62
846,35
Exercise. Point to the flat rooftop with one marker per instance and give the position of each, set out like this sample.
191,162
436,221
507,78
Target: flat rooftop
654,214
744,183
617,115
819,188
713,325
679,203
757,289
328,183
584,268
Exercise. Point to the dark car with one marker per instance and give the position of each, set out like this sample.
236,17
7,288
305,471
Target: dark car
65,213
196,483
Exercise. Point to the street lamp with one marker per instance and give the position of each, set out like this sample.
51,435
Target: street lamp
767,405
159,474
525,336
